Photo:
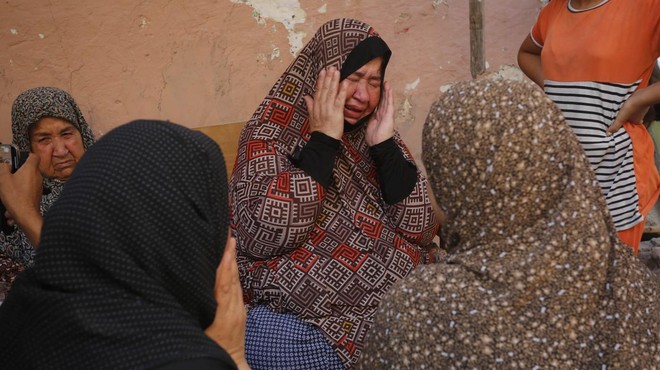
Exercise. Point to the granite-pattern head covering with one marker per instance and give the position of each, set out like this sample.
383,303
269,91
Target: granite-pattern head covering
34,104
125,274
28,108
536,276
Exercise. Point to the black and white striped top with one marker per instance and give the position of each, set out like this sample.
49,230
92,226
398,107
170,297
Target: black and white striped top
589,108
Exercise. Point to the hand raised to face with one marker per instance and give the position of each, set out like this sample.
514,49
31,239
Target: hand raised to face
381,124
326,108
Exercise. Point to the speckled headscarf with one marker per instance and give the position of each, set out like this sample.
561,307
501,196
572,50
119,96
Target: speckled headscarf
34,104
16,251
125,274
536,276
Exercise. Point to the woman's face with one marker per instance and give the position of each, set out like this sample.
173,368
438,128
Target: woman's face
363,92
59,146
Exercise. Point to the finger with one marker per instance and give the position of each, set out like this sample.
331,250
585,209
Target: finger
333,83
309,102
228,271
340,100
389,102
389,96
321,86
614,127
33,160
5,168
31,163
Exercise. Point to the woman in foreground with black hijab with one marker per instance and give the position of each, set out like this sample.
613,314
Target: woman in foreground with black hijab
125,275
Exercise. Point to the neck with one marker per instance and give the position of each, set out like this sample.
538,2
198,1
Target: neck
584,4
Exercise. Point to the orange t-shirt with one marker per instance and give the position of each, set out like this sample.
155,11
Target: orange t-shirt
593,60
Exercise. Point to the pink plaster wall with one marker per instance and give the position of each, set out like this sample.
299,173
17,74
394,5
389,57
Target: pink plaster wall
207,62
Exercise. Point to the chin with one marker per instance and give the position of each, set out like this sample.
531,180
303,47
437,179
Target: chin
62,176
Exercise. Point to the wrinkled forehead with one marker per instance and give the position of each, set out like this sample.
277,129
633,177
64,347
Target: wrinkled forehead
48,125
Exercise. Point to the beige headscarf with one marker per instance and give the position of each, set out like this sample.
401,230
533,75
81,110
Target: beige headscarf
535,276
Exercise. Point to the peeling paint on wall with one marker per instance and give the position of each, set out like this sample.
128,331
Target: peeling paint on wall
412,85
266,59
287,12
14,31
444,88
144,22
404,115
508,72
323,9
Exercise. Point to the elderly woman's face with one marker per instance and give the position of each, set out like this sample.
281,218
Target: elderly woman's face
363,92
59,146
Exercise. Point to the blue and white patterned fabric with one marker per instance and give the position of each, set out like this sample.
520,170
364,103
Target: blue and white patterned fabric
283,341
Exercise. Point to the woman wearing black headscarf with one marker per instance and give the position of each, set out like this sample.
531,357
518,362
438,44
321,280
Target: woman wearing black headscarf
329,207
125,275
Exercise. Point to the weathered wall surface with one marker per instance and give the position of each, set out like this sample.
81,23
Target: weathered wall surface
207,62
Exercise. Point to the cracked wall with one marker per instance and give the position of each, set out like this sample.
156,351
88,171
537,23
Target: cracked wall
207,62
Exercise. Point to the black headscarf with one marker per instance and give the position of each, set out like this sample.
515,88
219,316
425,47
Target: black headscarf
125,275
364,52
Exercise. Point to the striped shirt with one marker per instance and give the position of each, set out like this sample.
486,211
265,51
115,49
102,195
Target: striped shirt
593,60
590,108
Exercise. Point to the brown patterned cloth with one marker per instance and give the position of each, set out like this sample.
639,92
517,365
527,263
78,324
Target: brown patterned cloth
16,251
324,253
536,276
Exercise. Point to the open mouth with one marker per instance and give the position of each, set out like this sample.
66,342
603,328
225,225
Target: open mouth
352,112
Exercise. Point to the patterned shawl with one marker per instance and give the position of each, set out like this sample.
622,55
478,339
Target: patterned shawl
536,276
16,252
324,253
125,273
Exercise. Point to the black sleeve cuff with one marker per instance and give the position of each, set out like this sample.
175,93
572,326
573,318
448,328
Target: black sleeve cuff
396,175
317,158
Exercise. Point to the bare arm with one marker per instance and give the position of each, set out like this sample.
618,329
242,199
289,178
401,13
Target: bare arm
228,327
21,194
529,61
634,109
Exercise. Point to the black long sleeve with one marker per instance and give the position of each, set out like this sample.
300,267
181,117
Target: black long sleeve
317,158
397,176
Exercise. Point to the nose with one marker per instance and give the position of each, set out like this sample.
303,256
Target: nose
361,93
59,148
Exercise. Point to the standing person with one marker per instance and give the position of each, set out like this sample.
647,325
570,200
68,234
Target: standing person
328,205
125,277
591,56
45,121
535,276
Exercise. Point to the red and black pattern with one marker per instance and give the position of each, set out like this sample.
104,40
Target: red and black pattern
327,254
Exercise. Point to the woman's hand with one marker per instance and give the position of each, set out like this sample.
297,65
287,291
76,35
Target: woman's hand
326,108
20,193
381,124
634,109
228,327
